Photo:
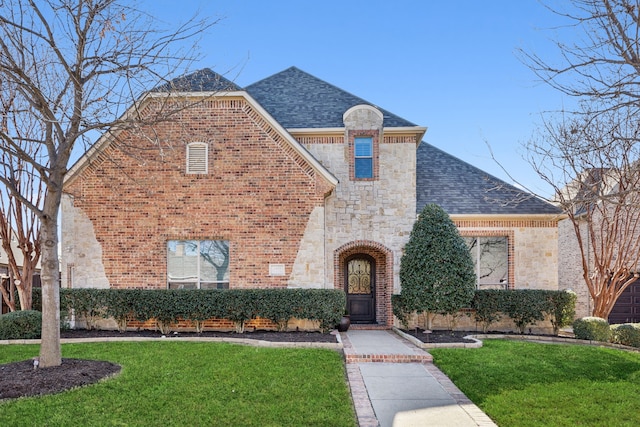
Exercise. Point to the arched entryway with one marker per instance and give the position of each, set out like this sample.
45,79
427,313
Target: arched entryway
364,270
360,288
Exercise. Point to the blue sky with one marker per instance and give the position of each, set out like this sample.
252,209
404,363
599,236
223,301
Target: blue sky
450,66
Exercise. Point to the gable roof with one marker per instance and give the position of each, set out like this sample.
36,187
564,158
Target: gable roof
299,100
462,189
204,80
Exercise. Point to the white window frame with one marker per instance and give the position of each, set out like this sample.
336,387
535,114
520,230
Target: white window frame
476,255
195,281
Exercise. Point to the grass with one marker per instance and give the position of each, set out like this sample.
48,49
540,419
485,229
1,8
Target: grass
195,384
527,384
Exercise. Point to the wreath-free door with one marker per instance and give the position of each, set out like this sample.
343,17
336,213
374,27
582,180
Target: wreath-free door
360,285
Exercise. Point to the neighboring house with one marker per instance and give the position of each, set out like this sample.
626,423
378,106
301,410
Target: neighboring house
4,271
289,182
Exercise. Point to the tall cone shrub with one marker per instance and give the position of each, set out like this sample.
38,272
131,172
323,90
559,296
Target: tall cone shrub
436,270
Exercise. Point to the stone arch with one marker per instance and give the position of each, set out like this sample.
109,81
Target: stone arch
383,257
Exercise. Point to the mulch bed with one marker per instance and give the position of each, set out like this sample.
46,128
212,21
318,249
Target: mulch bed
273,336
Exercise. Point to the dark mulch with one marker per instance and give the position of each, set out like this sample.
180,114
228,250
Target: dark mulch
20,379
273,336
439,337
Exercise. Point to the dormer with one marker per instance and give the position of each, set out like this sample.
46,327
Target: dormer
363,130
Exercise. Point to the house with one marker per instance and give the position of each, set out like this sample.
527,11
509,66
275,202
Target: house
5,275
288,182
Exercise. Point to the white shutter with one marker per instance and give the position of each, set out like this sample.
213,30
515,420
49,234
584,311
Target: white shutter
197,157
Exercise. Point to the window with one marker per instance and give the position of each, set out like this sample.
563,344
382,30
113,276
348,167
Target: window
491,261
363,157
197,158
193,264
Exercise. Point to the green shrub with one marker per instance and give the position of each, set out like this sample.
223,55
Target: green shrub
488,305
436,270
525,307
561,308
592,328
23,324
626,334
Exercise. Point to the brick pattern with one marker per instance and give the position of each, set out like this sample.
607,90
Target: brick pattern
384,274
258,195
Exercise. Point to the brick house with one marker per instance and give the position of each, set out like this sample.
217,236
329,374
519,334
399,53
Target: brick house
289,182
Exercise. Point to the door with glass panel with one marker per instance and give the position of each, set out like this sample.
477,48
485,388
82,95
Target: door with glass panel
360,285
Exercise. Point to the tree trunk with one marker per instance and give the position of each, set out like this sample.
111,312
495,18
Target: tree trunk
50,351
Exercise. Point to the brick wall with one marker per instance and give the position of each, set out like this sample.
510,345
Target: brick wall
122,209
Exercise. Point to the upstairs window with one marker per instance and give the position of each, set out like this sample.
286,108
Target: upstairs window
363,157
198,264
197,158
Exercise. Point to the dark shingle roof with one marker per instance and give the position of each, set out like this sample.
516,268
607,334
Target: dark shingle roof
299,100
460,188
203,80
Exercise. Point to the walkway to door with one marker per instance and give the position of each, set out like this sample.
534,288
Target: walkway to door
404,388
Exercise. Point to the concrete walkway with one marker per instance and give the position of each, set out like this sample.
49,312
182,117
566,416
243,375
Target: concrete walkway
394,384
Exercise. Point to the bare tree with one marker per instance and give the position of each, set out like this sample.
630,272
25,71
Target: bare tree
591,161
17,222
589,155
78,65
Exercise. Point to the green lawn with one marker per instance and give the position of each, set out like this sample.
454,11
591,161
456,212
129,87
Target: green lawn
525,384
193,384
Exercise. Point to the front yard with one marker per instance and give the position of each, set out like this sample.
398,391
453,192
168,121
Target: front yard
526,384
187,383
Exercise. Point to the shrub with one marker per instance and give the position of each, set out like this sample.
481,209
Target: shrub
592,328
436,270
561,309
488,304
626,334
23,324
525,307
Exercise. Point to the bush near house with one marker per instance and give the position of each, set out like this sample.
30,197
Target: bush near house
22,324
524,306
436,270
592,328
626,334
167,306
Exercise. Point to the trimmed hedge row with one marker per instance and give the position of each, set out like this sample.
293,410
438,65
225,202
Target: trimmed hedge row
598,329
22,324
524,306
166,306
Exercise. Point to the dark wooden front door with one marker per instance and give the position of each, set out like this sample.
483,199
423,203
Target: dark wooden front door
627,308
360,285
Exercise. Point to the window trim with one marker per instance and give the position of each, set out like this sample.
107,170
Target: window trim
374,136
509,235
202,165
219,284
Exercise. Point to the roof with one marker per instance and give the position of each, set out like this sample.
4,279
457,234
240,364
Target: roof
203,80
462,189
299,100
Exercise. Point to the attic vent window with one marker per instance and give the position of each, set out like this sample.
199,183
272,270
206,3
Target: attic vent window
197,158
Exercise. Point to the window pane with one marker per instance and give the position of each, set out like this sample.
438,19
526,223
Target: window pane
364,168
359,279
182,260
363,147
214,261
494,271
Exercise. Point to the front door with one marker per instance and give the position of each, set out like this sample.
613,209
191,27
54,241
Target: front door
360,285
